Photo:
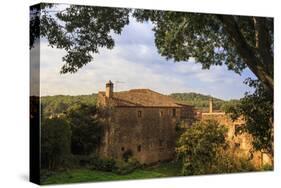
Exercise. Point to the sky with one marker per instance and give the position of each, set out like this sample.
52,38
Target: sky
135,63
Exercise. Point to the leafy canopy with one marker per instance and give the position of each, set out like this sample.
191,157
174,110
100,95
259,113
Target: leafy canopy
80,30
210,39
198,147
86,128
55,143
236,41
203,149
257,110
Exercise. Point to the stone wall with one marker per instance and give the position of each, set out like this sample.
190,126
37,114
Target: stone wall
149,132
240,144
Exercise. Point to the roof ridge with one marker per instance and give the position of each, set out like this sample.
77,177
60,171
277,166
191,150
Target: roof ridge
118,99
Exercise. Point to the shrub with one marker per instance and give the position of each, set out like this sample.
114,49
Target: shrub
267,167
55,143
198,147
229,163
204,150
96,163
123,167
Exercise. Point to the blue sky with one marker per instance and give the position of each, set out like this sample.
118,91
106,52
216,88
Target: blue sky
134,61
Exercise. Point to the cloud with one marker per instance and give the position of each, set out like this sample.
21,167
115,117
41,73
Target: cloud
136,62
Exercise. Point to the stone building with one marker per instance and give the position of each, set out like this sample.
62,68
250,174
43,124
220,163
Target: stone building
240,143
141,122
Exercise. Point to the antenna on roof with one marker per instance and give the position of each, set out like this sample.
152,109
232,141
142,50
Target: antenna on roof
118,82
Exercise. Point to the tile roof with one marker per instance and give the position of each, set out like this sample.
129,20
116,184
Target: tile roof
142,97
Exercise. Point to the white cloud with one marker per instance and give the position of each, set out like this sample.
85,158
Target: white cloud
135,61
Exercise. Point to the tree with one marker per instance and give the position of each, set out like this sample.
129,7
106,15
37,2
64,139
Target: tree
257,110
55,143
239,42
236,41
86,128
203,149
199,146
80,30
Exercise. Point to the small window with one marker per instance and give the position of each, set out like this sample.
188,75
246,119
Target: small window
139,113
161,113
174,113
139,148
160,142
122,149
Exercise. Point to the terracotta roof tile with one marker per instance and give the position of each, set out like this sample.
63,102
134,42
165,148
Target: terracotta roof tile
142,97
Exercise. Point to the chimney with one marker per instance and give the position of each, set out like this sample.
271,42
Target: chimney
211,105
109,89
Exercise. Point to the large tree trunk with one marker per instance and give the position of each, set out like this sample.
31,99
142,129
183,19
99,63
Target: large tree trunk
262,64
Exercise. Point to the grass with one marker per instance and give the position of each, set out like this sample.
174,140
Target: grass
85,175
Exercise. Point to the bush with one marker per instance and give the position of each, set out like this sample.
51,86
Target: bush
123,167
229,163
267,167
55,143
198,147
204,150
96,163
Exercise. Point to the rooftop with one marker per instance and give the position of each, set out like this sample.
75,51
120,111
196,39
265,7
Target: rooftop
142,97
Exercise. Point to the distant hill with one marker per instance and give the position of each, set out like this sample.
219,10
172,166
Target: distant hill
60,103
198,100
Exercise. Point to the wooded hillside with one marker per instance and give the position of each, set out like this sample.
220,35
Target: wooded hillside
60,103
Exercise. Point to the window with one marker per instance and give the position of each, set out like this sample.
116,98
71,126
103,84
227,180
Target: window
139,148
174,112
122,149
161,113
160,143
139,113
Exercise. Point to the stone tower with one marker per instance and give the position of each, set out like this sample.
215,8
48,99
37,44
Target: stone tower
109,89
211,105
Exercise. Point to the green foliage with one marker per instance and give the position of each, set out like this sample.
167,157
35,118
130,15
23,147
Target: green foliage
229,163
267,167
55,143
82,31
210,39
198,147
126,167
226,106
80,115
204,150
86,128
181,36
199,101
54,105
96,163
257,110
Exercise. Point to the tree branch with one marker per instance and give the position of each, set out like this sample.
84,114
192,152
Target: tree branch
245,51
263,43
